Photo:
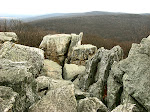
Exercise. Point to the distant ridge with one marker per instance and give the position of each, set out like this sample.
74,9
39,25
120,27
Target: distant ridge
60,15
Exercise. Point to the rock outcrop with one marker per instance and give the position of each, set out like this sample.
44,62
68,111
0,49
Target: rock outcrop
97,71
61,83
67,48
133,75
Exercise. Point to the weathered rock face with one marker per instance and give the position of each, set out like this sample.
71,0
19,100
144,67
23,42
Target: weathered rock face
8,36
71,71
91,104
33,57
56,47
58,100
97,71
114,87
52,69
7,99
126,108
75,41
81,53
45,84
16,76
135,74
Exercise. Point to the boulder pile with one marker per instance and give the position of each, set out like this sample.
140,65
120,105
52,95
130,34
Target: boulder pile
62,75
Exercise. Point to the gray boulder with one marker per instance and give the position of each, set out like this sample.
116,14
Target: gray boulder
7,99
33,57
51,69
126,108
58,100
98,69
56,47
71,71
81,53
8,36
16,76
91,104
135,73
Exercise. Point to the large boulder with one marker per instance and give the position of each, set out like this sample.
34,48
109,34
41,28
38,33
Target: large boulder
7,99
81,53
91,104
57,100
98,69
33,57
8,36
52,69
17,76
56,47
135,74
71,71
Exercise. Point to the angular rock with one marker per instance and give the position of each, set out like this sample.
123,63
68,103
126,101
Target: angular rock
81,53
136,73
75,41
8,36
91,104
71,71
58,100
52,69
45,84
114,91
126,108
98,69
16,76
56,47
33,57
7,99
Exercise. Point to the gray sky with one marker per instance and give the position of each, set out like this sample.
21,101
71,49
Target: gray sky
36,7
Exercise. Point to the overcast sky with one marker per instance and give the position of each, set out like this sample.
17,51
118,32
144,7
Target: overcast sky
37,7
